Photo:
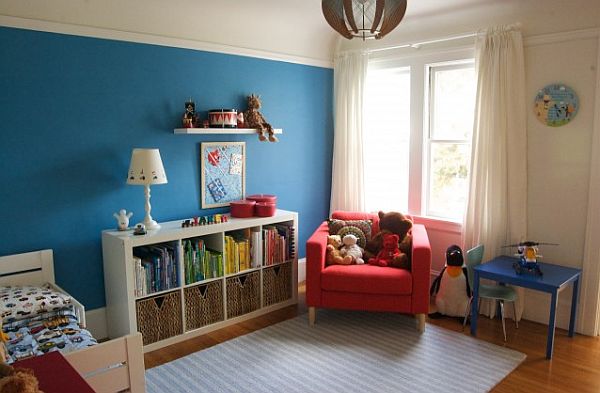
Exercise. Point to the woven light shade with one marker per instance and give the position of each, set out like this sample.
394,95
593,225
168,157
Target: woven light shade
363,18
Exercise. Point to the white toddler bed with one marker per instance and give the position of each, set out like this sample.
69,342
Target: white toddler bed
114,366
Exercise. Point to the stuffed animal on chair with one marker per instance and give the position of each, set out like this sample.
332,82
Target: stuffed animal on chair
351,251
333,255
452,285
254,119
389,253
395,223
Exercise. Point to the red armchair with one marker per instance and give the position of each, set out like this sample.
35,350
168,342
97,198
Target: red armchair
366,287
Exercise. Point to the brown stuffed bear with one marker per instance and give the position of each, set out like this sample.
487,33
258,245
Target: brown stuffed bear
17,380
254,119
333,254
398,224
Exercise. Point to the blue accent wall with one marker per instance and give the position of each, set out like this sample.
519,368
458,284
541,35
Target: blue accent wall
72,109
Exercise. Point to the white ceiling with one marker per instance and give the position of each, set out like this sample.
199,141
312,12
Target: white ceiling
297,27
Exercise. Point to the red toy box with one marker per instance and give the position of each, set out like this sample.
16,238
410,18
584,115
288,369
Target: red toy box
243,208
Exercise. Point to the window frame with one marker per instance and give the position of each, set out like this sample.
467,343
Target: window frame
417,60
428,130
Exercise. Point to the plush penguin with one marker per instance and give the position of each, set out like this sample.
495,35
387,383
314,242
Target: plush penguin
452,285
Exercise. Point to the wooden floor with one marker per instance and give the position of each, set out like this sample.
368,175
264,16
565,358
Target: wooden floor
575,366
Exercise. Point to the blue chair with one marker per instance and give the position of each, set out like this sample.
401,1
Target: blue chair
500,293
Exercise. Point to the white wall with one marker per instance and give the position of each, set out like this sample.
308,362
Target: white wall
559,163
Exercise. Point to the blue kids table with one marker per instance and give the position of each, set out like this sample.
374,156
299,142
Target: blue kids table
554,279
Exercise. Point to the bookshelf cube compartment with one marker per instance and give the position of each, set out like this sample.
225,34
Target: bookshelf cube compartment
279,242
202,258
159,317
156,268
203,304
277,284
243,294
242,250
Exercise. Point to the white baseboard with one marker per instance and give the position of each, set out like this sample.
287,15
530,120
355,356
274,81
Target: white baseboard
302,270
96,323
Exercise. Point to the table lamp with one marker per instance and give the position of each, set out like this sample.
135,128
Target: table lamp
146,168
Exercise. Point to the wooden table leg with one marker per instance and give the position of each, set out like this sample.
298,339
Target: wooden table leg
475,303
551,323
574,307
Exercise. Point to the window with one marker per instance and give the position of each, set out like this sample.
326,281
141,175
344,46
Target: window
451,108
417,156
386,139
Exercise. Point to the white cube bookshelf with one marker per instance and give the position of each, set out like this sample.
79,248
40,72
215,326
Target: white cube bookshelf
192,309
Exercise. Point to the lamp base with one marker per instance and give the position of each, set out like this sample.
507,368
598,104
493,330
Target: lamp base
150,224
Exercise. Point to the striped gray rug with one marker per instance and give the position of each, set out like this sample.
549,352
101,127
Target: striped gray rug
343,352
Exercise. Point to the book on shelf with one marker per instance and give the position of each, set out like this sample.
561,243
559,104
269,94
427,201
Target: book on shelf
199,262
241,252
155,269
278,243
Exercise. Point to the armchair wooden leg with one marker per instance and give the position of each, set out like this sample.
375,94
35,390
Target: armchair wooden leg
420,322
312,313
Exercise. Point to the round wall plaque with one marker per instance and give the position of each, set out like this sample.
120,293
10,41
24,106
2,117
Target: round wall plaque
556,105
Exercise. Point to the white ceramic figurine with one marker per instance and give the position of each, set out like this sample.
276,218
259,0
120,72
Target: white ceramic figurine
123,219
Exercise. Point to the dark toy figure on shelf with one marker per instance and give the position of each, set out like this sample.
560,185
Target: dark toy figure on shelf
190,118
254,119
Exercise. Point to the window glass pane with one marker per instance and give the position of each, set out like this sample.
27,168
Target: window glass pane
453,102
386,139
448,183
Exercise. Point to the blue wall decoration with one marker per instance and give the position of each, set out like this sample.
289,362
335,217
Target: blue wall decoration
556,105
72,109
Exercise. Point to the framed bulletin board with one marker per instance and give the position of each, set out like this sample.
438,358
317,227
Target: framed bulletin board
223,172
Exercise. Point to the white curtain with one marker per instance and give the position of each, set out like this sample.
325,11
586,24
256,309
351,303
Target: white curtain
496,212
347,177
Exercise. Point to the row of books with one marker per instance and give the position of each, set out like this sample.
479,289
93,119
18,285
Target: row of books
199,262
155,268
241,252
278,243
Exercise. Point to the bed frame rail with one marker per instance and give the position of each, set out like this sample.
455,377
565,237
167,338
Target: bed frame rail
113,366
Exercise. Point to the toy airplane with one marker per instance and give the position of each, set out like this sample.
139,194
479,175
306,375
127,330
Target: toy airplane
527,251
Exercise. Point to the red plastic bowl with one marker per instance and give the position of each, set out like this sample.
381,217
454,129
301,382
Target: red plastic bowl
263,198
264,209
242,208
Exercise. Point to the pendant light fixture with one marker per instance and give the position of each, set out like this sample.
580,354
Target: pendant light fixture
363,18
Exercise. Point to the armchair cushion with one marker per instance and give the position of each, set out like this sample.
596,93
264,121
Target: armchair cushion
366,279
364,226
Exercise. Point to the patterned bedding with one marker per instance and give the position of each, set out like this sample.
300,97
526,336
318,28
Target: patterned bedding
38,320
53,331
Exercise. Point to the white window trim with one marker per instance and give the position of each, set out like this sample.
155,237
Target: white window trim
427,130
418,122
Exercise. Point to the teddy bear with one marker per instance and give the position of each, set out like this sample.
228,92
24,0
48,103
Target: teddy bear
17,380
390,252
333,255
254,119
392,223
351,252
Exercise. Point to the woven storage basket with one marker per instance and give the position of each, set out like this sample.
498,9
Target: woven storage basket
159,317
243,294
277,283
203,304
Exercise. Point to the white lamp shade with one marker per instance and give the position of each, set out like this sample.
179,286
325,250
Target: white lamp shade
146,167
